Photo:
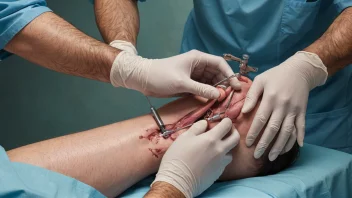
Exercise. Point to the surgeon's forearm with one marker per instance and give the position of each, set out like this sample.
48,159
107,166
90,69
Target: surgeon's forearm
53,43
335,46
164,190
117,20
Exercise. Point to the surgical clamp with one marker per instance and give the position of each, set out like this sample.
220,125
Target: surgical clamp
156,117
164,132
244,69
217,116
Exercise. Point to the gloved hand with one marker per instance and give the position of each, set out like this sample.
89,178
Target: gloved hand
191,72
197,159
285,90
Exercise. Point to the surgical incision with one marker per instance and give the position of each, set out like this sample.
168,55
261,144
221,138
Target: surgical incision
228,105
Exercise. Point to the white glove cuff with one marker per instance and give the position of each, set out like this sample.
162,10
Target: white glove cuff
124,46
320,71
178,174
171,181
127,69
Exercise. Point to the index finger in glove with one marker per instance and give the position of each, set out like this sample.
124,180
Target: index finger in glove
198,128
216,62
220,130
232,140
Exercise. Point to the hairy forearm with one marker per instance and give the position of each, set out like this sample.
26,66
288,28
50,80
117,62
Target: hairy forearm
117,20
53,43
163,190
335,46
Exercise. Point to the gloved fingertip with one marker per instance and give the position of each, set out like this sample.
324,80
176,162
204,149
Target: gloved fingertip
258,154
202,122
236,134
247,107
235,83
273,156
212,93
199,127
249,143
300,143
215,94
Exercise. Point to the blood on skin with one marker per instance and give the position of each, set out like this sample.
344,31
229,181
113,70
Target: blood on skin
209,109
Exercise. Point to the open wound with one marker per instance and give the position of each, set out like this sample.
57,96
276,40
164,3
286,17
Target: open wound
228,105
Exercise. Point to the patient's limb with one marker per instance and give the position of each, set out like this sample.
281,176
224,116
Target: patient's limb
109,158
114,157
164,190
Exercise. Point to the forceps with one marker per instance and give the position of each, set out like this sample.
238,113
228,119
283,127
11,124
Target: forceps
164,132
244,67
156,117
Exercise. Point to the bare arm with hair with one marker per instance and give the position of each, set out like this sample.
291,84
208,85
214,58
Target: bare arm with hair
335,46
164,190
117,20
53,43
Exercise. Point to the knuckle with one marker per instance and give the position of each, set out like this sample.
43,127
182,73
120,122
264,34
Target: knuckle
271,95
210,141
219,150
178,83
274,126
221,61
288,129
285,101
249,97
261,118
262,146
251,137
296,108
194,52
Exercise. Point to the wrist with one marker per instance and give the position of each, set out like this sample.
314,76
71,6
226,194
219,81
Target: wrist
109,55
162,189
178,175
311,67
124,46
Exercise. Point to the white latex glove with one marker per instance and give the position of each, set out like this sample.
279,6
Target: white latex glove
191,72
197,159
285,90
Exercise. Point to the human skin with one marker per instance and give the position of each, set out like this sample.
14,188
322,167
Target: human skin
96,157
119,20
52,42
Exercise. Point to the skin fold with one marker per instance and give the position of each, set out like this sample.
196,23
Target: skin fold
114,157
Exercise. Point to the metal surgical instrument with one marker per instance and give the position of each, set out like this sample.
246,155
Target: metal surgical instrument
244,67
156,117
164,133
226,79
169,132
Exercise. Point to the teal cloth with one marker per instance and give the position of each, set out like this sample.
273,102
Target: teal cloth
318,173
27,181
14,16
270,32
